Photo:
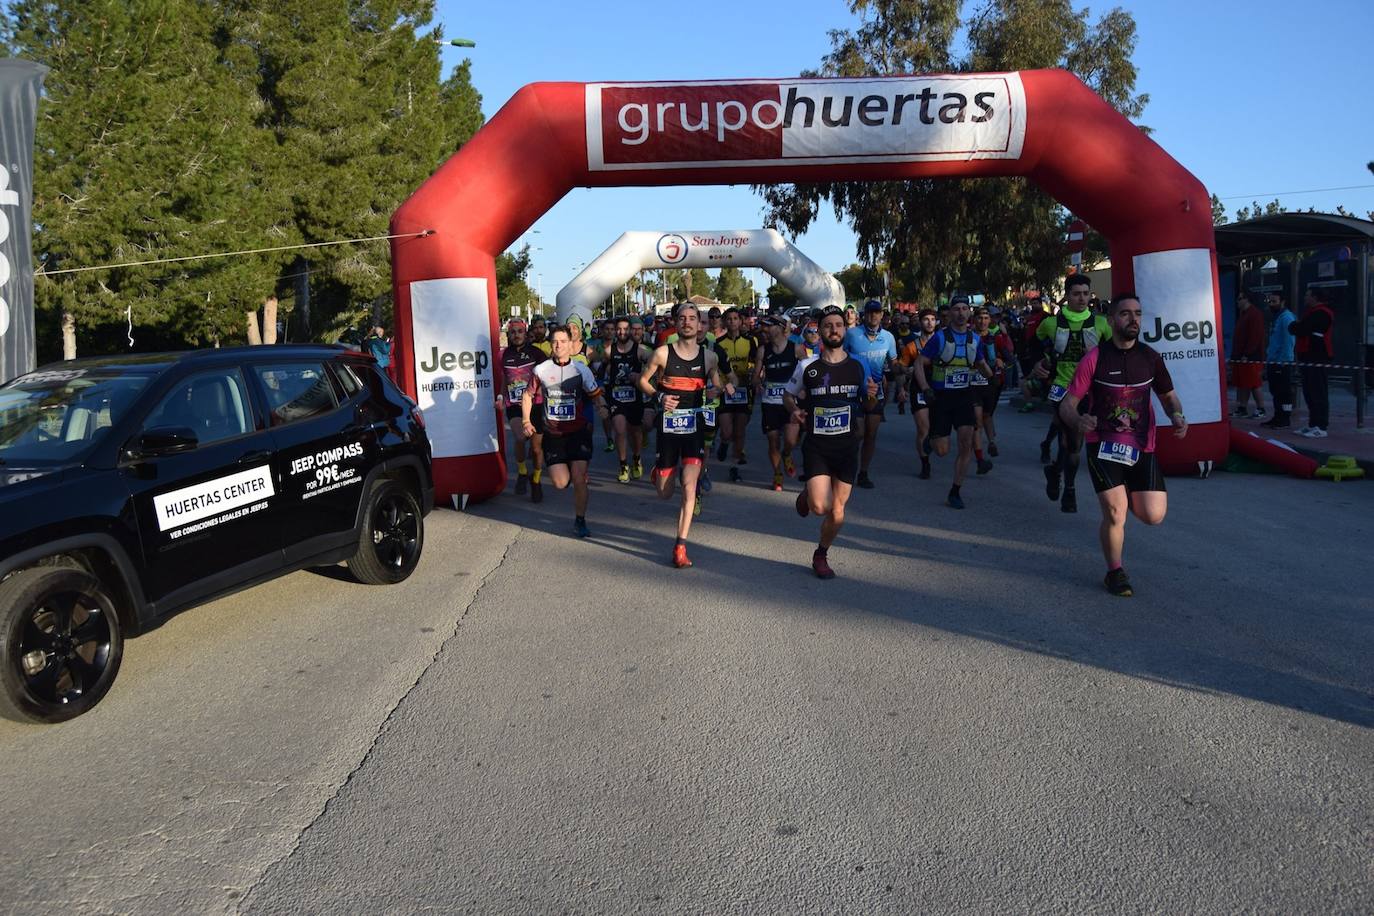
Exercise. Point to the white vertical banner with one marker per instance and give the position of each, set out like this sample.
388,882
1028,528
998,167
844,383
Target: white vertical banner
1179,320
451,341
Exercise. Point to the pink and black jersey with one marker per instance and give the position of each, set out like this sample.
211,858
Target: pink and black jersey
517,365
1116,385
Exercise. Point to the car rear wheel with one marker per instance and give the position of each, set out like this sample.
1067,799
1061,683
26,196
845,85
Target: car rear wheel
60,644
393,535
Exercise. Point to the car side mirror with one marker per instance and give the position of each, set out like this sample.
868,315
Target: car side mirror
163,440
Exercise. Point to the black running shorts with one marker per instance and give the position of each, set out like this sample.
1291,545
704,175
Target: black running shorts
675,448
838,463
632,411
775,417
952,410
988,396
1141,477
568,448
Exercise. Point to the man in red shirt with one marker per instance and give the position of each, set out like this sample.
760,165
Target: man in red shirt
1117,377
1247,356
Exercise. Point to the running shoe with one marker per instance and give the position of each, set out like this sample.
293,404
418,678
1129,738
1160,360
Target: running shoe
1045,453
742,459
722,450
580,528
1258,414
536,491
925,469
1304,431
803,508
863,481
1070,501
637,469
734,474
1052,482
609,447
624,475
788,467
984,465
820,566
992,449
1238,412
1118,584
954,500
704,481
680,560
1315,432
777,482
1026,407
522,484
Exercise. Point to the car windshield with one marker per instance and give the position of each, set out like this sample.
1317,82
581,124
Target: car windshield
51,416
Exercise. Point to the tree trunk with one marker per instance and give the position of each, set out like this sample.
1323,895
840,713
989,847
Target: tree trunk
68,335
269,320
302,271
254,338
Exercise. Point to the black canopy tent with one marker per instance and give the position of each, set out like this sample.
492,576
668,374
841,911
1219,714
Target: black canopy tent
1296,233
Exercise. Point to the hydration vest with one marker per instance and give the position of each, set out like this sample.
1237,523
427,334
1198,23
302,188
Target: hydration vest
951,348
1085,336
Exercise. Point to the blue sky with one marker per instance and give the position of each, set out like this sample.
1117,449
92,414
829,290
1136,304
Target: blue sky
1255,97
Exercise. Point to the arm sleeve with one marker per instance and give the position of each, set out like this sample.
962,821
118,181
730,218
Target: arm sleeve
908,355
1164,382
1083,377
794,384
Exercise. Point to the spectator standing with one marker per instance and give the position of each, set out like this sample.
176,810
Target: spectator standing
378,345
1247,356
1313,349
1278,358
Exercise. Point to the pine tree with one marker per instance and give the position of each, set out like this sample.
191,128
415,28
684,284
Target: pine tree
144,150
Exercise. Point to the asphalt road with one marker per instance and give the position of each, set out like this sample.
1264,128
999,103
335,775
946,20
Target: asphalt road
963,720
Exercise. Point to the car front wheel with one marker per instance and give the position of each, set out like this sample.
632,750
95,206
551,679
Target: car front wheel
60,644
392,536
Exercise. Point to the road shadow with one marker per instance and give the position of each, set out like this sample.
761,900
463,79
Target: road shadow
1013,570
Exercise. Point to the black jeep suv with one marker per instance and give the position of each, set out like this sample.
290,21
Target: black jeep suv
132,487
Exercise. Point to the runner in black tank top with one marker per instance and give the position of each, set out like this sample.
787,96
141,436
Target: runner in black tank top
832,388
777,362
624,362
685,372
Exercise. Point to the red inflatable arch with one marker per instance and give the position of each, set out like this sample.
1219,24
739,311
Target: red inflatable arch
552,137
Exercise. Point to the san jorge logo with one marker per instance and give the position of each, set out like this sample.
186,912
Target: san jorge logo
672,249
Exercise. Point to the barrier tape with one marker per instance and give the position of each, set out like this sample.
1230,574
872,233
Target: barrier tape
1266,362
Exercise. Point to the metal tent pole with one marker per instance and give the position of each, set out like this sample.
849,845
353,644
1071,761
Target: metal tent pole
1362,271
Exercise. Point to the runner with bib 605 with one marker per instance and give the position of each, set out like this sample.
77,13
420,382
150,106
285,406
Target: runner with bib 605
1114,380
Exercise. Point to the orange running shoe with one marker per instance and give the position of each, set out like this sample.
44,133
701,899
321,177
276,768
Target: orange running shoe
680,560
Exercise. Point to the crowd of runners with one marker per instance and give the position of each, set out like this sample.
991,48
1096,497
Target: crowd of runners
689,385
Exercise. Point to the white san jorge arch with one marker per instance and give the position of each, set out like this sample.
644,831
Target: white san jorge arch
636,251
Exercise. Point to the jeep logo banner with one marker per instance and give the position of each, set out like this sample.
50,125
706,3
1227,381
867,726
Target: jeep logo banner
799,121
451,340
20,83
1178,318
